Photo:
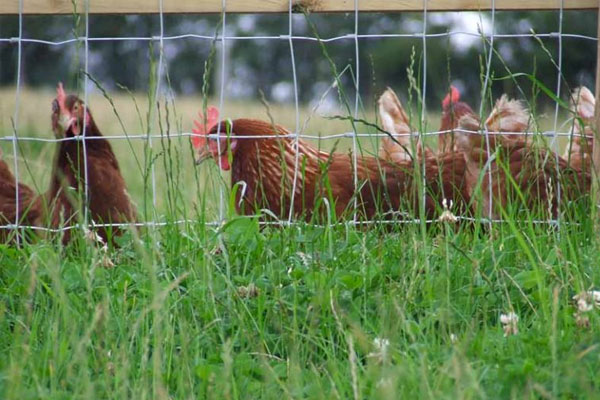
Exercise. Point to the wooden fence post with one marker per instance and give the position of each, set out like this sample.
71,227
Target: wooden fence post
277,6
596,148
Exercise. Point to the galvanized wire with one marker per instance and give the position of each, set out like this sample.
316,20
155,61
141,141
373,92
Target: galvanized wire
16,122
297,134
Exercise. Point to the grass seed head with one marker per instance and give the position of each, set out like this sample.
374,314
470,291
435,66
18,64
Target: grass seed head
92,237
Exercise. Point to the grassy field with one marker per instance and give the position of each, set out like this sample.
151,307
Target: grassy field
190,311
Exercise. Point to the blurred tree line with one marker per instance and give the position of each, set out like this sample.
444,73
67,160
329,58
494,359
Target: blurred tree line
266,64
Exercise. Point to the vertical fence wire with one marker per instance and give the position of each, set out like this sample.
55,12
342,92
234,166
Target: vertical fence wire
16,122
484,90
221,97
423,112
85,110
159,76
297,112
555,137
356,103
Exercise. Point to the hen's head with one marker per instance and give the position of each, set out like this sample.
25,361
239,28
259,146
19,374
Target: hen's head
69,114
453,109
452,97
206,147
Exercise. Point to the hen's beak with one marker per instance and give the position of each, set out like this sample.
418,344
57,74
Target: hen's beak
63,120
202,154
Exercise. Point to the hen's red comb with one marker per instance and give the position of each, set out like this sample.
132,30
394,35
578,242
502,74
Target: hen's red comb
452,97
204,125
61,97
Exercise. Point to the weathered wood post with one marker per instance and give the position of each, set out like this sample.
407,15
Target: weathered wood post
596,148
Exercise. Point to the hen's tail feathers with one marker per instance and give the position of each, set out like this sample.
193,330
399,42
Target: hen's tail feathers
583,103
395,121
578,152
392,114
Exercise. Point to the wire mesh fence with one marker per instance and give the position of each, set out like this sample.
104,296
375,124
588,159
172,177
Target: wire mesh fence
488,37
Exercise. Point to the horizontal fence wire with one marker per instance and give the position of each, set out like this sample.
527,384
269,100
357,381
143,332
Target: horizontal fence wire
291,135
280,223
296,135
349,36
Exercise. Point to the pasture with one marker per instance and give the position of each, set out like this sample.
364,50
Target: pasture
191,310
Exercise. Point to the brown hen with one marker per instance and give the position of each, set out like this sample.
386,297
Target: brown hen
521,174
451,164
108,201
266,168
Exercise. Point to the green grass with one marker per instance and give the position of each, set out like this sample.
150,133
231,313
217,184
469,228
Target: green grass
191,311
173,318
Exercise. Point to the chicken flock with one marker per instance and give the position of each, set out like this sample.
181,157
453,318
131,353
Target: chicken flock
282,176
490,175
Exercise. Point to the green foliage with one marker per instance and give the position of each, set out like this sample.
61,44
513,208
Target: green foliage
244,311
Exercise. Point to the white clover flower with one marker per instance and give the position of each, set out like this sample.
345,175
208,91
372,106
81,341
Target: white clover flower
106,262
585,303
447,215
582,320
380,354
595,295
509,323
587,300
305,258
249,291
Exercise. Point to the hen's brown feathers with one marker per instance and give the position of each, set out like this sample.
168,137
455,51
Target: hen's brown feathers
521,174
29,202
108,201
266,166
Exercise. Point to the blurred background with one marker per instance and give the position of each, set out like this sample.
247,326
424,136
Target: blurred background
258,70
266,64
